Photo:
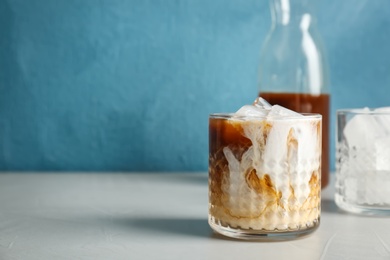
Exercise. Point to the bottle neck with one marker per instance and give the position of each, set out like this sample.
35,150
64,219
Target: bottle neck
291,12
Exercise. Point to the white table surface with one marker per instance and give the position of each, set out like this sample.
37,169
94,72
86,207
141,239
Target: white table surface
155,216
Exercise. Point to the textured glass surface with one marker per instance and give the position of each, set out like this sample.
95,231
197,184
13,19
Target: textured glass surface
264,176
362,164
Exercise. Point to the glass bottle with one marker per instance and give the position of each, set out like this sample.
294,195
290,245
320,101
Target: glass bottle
293,70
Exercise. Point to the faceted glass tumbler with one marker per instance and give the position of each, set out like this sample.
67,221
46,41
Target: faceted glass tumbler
363,161
264,176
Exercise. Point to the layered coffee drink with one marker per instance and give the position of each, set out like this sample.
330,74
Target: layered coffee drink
264,172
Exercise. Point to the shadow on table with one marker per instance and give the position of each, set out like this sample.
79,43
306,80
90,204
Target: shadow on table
329,206
186,227
182,226
198,178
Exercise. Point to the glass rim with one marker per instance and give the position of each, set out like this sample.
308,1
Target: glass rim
247,118
362,111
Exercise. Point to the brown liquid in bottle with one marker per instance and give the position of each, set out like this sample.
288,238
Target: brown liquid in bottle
308,103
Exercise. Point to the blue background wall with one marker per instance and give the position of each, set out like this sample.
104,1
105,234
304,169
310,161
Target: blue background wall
128,84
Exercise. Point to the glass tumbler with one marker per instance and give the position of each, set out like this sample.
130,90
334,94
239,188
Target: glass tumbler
264,176
363,161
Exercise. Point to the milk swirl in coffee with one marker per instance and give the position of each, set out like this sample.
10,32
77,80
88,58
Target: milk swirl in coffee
264,169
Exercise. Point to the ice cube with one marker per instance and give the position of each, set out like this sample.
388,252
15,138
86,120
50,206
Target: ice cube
382,116
382,152
368,138
383,109
262,103
364,128
360,131
279,111
251,111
